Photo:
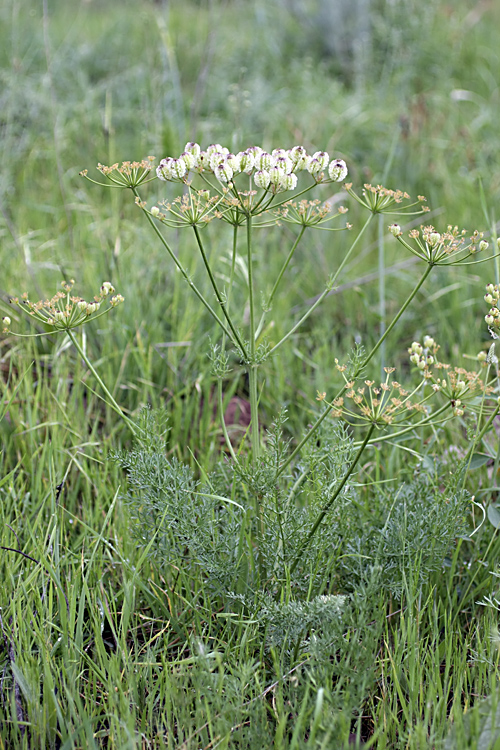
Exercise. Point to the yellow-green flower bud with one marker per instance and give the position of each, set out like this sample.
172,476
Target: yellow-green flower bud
155,211
395,230
482,357
416,348
483,245
107,288
6,321
429,342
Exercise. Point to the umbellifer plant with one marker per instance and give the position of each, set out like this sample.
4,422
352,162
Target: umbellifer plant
273,527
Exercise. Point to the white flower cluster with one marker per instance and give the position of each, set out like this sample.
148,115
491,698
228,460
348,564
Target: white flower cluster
275,171
65,311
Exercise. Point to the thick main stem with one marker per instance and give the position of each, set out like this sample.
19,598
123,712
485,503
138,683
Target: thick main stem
253,366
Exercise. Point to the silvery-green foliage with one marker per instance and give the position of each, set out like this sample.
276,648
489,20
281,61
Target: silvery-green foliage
290,507
409,534
161,502
212,524
293,621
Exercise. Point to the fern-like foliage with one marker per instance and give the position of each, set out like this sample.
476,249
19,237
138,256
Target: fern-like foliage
247,528
410,533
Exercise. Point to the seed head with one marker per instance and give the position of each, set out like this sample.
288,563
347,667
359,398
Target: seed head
262,178
193,148
337,170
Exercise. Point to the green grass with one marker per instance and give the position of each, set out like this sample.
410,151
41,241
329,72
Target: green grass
99,646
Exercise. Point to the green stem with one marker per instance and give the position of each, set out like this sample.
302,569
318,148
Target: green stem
184,272
92,369
360,367
327,291
351,249
278,280
481,434
297,325
381,286
223,421
253,367
396,318
235,337
330,502
428,420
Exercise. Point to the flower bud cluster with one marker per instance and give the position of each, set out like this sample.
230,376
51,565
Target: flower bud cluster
441,248
382,404
65,311
275,171
128,174
423,356
389,403
491,298
309,213
381,200
457,385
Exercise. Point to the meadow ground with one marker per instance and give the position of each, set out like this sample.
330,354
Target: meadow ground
120,630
